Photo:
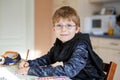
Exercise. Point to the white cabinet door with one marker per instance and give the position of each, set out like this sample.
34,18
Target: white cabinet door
16,26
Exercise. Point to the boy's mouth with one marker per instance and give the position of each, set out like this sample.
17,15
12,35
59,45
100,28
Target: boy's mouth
63,34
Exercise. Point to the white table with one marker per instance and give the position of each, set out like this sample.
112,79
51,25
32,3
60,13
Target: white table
9,73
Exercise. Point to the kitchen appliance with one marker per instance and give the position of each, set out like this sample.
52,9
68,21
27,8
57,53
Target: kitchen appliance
99,24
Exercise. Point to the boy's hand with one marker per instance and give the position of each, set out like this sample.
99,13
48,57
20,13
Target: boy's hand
23,64
57,63
23,71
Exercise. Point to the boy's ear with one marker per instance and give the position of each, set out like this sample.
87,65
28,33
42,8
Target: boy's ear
77,29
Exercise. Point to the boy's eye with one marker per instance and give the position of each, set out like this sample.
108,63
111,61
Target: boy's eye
59,25
69,25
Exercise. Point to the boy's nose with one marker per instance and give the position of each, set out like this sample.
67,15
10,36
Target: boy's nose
63,28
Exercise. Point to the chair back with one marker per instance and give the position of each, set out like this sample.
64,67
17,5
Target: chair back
109,69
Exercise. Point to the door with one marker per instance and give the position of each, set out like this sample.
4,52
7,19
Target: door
16,26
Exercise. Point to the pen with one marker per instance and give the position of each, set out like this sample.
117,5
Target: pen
27,54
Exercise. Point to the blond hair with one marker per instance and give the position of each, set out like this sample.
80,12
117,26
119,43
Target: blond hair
66,12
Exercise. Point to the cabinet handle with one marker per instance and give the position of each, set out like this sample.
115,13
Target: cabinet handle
115,44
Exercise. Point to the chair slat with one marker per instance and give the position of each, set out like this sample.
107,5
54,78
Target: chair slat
110,70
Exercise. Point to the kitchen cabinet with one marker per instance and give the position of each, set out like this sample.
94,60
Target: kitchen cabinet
109,50
99,1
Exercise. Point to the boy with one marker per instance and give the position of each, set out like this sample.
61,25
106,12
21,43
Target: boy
71,47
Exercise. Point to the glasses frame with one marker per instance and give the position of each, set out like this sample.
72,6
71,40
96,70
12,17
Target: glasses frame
67,26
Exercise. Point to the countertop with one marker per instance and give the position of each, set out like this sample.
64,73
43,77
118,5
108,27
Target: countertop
106,36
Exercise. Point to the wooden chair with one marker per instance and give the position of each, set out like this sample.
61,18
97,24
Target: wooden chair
109,69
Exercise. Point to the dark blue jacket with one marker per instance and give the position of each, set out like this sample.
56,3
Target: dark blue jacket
79,66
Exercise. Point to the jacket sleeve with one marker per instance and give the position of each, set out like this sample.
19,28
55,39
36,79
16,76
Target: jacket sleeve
70,68
42,61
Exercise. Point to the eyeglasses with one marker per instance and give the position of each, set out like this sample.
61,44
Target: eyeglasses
68,26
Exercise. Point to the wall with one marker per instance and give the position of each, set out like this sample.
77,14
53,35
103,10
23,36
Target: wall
43,12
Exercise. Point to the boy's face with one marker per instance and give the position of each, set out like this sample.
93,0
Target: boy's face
65,30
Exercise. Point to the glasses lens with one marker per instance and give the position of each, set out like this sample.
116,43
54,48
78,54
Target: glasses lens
69,26
58,25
